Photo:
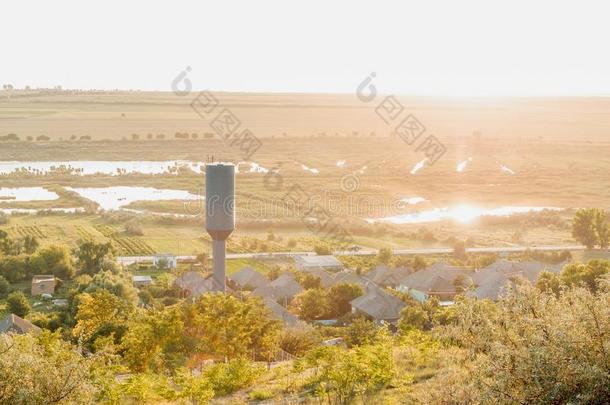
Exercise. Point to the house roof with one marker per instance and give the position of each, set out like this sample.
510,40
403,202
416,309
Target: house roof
196,283
425,279
248,277
383,275
141,279
280,313
350,277
325,277
493,286
379,305
529,270
285,286
43,278
305,262
16,324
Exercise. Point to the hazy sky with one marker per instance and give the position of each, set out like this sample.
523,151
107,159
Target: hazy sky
426,47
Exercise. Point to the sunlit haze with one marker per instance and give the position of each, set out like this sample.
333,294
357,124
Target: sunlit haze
466,48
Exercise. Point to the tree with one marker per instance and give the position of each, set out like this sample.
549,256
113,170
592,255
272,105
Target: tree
153,340
95,311
57,261
602,230
309,281
340,296
4,286
13,268
583,227
384,256
360,332
18,304
91,256
44,370
412,317
224,326
311,304
459,250
322,249
548,282
419,263
30,244
588,275
531,347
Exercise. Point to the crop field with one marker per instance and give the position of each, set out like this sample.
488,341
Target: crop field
336,148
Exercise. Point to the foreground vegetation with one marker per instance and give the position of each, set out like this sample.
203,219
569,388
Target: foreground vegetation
113,343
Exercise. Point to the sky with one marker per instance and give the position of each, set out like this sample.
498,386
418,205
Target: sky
452,48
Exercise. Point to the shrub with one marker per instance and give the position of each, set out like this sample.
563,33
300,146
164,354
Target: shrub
18,304
229,377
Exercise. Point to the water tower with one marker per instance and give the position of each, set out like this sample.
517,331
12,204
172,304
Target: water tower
219,214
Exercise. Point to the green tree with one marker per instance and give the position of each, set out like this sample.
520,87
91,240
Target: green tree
419,263
95,311
309,281
30,244
311,304
340,296
322,249
4,286
153,341
412,317
13,268
18,304
227,327
602,230
384,256
589,274
44,370
531,347
548,282
57,261
92,256
583,227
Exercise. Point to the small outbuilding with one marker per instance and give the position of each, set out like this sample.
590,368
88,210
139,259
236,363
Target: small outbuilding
43,284
325,262
141,281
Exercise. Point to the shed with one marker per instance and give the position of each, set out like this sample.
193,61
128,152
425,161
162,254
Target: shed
141,281
324,262
43,284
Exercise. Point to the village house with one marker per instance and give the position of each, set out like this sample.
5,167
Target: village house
439,280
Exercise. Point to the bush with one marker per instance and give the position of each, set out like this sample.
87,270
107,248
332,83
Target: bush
18,304
133,228
227,378
261,394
